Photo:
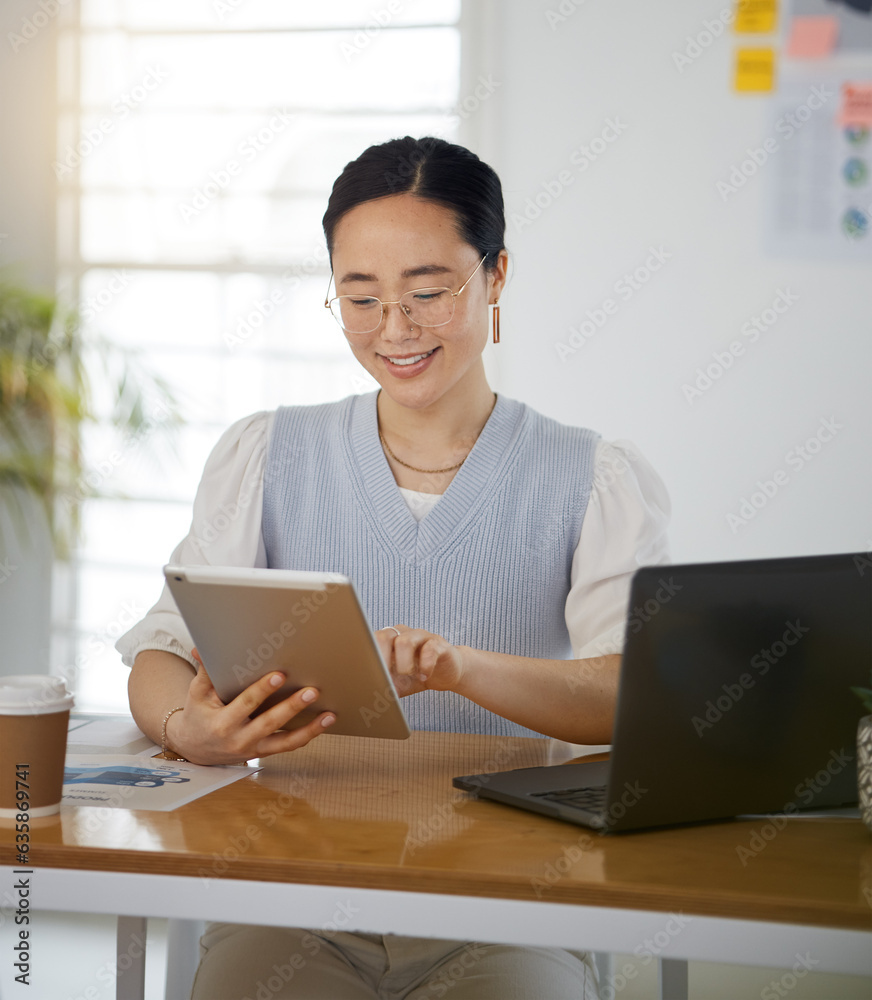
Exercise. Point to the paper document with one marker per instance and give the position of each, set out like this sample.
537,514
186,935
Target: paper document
127,781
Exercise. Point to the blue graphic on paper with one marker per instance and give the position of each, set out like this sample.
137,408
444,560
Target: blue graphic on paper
142,777
855,224
855,171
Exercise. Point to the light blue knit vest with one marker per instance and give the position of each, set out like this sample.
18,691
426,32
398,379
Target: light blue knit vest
488,567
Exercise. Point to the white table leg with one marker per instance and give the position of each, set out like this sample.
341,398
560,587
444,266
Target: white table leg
672,976
130,958
183,956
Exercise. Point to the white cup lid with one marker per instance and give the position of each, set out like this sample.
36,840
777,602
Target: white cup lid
33,694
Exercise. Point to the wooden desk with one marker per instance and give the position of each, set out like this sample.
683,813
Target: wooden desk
370,835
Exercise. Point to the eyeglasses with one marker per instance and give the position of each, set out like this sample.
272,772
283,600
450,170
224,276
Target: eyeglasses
422,306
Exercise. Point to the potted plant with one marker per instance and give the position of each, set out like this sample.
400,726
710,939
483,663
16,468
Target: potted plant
864,756
46,398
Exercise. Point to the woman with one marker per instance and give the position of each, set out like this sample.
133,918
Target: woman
492,547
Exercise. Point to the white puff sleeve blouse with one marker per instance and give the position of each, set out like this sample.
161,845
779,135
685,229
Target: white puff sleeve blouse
624,528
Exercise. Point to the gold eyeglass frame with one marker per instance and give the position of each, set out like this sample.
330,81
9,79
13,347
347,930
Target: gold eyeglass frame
328,303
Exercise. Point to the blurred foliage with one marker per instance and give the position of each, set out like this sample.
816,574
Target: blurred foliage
865,695
46,398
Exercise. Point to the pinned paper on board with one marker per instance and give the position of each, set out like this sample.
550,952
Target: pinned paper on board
755,16
812,37
853,27
819,179
754,71
855,108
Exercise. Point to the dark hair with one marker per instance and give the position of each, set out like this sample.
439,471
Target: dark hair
429,168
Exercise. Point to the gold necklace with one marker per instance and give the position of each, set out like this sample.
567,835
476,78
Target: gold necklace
414,468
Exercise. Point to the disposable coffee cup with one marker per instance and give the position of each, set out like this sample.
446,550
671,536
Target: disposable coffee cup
34,717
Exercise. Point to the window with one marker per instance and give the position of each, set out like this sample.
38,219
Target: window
197,145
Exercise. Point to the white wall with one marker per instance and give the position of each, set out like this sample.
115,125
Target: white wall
655,186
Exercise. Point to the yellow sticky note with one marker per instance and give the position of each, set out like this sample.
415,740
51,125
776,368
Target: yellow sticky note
756,16
755,70
812,37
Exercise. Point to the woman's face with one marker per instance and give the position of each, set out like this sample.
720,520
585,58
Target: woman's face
393,245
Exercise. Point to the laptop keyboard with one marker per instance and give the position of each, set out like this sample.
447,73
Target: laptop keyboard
592,798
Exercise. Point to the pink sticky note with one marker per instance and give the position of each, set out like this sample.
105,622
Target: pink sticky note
856,105
812,37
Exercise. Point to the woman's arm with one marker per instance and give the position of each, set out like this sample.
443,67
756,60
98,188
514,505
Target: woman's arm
208,731
225,530
158,682
571,700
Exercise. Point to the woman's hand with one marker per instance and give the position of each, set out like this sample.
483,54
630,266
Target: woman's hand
419,660
210,732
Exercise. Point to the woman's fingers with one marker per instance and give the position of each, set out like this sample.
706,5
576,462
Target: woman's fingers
247,701
282,742
385,640
407,649
227,732
288,708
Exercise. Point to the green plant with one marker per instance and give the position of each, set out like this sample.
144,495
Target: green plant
46,398
865,695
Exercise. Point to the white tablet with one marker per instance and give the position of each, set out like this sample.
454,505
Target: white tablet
247,622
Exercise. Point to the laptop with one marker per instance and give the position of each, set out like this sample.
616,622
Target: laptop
734,698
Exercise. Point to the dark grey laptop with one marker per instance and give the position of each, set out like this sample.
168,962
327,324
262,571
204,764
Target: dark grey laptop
735,697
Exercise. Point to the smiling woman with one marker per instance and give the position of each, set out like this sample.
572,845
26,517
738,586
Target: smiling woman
190,203
492,552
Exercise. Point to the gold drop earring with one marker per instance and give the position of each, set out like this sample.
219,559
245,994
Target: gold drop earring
495,321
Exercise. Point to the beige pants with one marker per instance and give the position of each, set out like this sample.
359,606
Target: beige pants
277,963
